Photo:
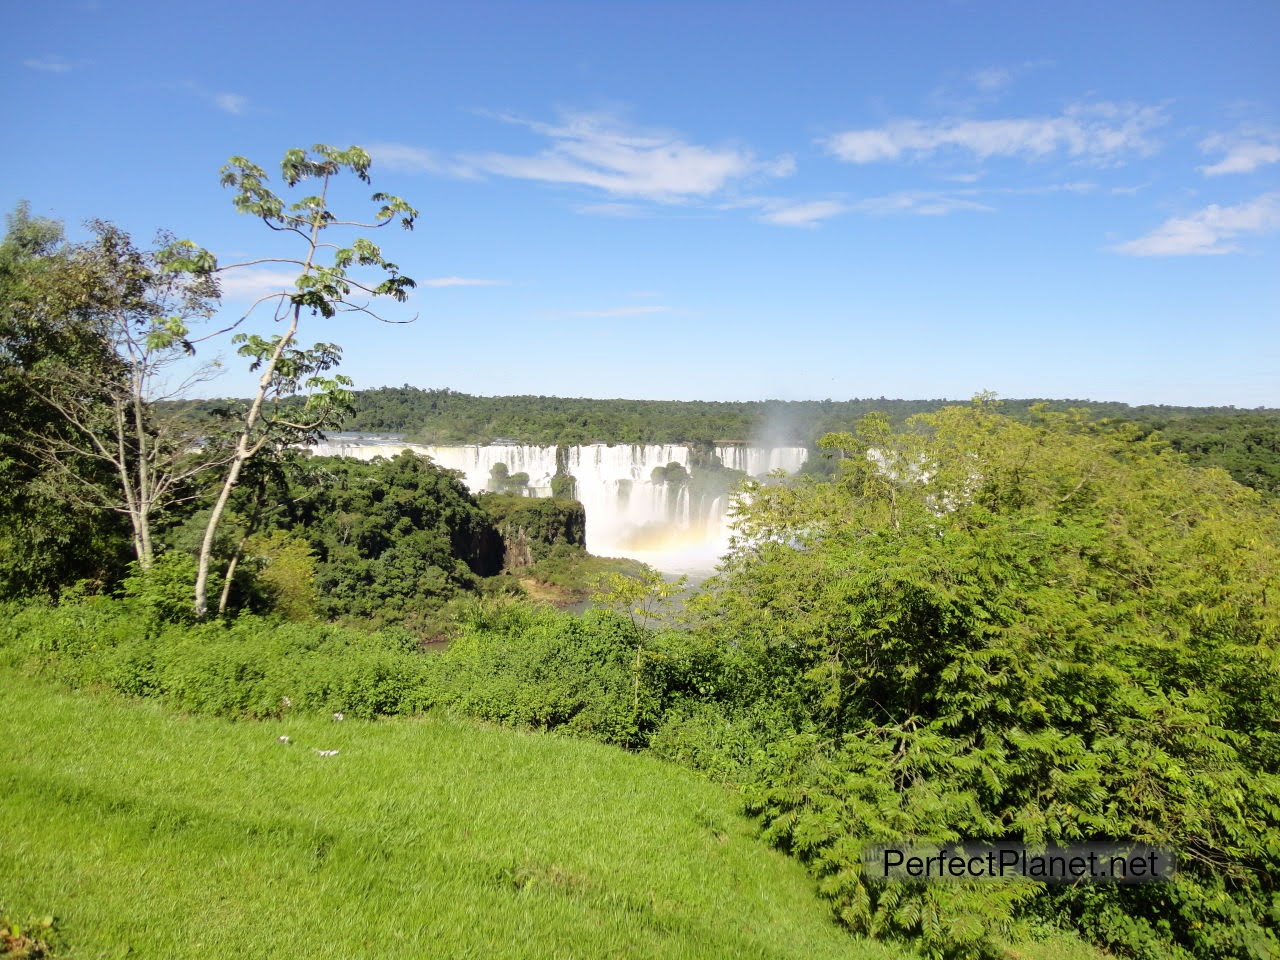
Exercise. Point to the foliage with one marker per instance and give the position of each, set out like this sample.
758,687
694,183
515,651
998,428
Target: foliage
163,590
321,288
135,313
574,573
644,598
26,941
1049,632
532,527
1245,444
393,539
532,666
250,667
45,290
502,480
286,572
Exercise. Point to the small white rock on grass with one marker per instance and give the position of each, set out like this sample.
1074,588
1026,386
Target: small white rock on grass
327,753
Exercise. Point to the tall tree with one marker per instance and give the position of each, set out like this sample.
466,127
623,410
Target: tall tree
135,316
321,288
45,290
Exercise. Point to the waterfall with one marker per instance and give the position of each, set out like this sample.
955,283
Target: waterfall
629,512
757,461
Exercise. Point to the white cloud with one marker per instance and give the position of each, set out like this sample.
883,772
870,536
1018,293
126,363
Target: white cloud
250,283
1243,153
1101,132
48,64
787,213
596,150
618,312
1208,231
232,103
925,203
992,78
613,209
402,158
1076,186
461,282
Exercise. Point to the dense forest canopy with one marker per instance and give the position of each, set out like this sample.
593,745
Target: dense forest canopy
448,416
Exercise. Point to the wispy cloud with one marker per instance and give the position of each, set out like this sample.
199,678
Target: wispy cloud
990,79
1073,186
924,203
49,63
402,158
232,103
1101,132
614,209
1208,231
461,282
250,283
1242,153
996,78
597,150
633,311
921,203
797,213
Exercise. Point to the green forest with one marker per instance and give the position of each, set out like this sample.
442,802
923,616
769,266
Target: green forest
967,623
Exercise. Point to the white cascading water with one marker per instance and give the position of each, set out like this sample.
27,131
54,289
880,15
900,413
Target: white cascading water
628,513
757,461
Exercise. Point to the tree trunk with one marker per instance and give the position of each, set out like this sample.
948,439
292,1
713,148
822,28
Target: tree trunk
244,450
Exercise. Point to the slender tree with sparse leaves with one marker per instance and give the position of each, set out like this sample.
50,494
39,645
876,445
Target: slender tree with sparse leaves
325,286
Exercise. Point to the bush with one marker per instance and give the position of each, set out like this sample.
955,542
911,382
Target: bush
166,590
1003,631
251,667
535,667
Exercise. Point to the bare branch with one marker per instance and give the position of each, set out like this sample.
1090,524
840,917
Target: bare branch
254,263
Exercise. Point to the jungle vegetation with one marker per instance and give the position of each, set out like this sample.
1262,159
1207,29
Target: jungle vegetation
975,622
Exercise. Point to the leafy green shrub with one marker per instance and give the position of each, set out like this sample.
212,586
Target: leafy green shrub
167,589
251,667
532,666
1043,633
725,743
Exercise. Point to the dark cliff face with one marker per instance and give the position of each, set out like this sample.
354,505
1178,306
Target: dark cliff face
531,526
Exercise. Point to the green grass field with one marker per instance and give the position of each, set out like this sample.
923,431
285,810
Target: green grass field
150,834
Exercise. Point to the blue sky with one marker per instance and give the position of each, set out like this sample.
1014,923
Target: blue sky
714,201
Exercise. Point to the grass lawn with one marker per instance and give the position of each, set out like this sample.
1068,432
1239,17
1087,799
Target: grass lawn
150,834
